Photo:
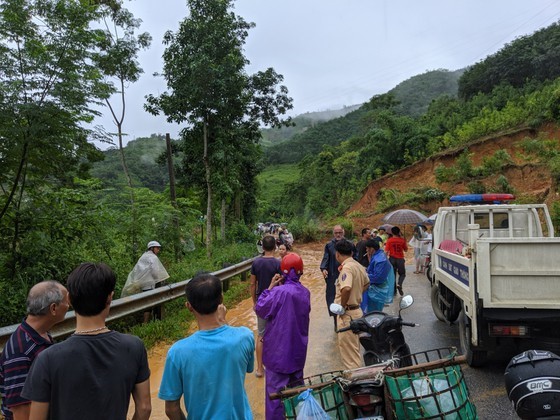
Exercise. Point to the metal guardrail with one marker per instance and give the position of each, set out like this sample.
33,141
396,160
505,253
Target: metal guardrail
135,303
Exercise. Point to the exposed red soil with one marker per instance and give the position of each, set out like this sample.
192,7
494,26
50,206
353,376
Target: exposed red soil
531,180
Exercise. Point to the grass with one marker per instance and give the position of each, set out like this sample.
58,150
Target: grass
274,178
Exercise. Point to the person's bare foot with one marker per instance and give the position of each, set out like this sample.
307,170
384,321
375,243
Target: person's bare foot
259,374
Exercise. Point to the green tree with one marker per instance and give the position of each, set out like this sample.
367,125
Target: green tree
118,60
48,83
204,67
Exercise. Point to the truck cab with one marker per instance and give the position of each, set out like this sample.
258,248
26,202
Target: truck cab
496,270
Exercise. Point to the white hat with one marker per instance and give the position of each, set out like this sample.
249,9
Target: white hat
152,244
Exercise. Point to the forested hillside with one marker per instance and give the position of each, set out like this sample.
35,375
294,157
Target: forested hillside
341,157
300,123
410,98
141,156
415,95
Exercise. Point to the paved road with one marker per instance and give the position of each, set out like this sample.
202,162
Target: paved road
486,385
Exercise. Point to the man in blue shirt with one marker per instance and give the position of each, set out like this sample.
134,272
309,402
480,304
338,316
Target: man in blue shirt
208,368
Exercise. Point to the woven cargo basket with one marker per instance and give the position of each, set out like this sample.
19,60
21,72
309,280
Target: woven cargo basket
434,392
326,391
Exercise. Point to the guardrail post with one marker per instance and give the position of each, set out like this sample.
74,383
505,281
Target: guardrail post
244,274
225,282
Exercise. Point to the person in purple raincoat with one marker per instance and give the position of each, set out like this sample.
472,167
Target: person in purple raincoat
285,305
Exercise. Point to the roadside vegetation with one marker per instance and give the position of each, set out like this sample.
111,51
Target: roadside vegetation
61,204
273,201
339,158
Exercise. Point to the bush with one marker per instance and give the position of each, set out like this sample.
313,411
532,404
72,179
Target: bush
476,187
347,225
239,232
445,174
503,186
464,166
390,198
495,163
305,230
554,165
434,194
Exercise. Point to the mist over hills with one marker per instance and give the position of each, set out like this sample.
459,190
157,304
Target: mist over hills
412,98
272,136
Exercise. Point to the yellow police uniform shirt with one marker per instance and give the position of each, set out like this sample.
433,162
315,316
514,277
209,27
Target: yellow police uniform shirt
352,275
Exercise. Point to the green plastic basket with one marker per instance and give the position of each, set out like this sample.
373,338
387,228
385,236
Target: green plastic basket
439,393
329,396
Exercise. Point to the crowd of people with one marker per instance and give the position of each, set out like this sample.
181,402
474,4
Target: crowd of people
95,372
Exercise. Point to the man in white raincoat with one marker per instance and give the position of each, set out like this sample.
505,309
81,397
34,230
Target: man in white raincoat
147,274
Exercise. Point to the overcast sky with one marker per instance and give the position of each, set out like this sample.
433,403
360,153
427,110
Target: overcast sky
334,53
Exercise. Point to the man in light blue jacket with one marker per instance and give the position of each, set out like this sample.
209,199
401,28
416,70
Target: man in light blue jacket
378,273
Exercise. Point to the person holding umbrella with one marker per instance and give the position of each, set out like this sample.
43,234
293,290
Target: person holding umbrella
395,248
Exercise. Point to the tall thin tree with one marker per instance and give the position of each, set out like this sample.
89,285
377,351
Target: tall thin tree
204,67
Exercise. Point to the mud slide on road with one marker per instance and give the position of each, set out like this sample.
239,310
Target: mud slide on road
322,353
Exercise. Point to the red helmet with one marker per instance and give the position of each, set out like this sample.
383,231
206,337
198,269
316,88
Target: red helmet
292,260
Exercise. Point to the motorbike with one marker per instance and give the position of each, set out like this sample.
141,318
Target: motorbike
394,383
385,346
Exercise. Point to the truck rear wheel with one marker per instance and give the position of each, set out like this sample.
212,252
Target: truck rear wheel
475,358
445,304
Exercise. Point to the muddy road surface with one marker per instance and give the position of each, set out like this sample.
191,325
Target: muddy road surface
322,353
486,385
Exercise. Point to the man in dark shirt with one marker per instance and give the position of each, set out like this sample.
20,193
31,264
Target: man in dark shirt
361,247
262,271
329,267
47,303
91,374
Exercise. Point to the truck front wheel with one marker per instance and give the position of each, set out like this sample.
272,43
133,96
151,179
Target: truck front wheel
445,304
475,358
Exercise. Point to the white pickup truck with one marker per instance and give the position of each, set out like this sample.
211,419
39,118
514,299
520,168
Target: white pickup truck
496,268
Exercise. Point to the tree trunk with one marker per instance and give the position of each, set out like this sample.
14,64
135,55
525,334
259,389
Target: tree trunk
223,220
238,206
22,164
123,159
209,190
17,219
132,198
171,169
119,123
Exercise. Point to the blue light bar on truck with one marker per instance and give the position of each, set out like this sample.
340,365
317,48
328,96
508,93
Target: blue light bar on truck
482,198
